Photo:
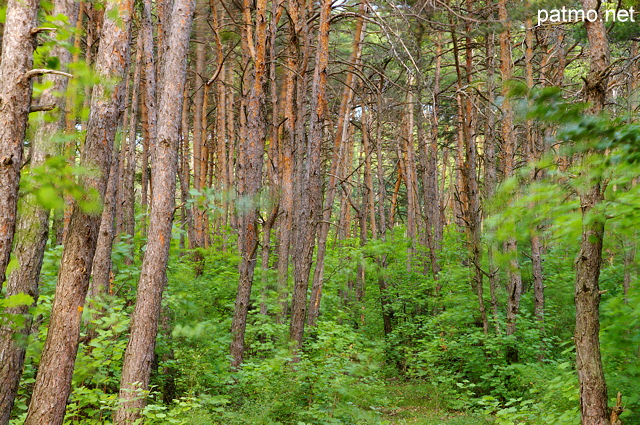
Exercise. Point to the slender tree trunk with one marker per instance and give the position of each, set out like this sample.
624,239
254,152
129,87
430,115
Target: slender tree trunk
101,270
370,203
184,174
18,43
382,192
309,208
127,197
593,388
514,284
286,177
53,383
139,354
339,142
199,151
411,180
250,172
32,229
490,169
149,102
470,196
532,136
433,216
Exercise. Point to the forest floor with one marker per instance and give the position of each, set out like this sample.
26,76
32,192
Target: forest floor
418,405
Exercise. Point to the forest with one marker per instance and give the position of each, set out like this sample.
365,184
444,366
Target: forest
319,212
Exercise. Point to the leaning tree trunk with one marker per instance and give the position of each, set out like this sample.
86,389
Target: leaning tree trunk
18,43
139,355
32,229
53,383
593,388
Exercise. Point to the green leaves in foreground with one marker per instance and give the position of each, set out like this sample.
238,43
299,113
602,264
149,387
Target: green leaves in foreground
18,300
55,179
602,150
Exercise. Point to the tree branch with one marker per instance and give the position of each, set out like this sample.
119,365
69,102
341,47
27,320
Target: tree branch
35,72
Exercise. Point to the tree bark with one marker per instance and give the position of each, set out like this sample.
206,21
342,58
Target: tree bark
593,388
338,147
53,383
127,187
196,239
149,102
139,354
32,227
250,172
514,284
309,207
18,44
101,270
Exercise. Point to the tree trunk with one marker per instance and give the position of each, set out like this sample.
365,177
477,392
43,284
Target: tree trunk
53,383
308,212
286,178
18,43
339,142
514,284
196,239
101,270
490,169
250,172
470,195
139,354
431,196
150,113
593,388
32,229
127,188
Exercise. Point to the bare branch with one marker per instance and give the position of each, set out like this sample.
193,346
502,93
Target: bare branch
35,72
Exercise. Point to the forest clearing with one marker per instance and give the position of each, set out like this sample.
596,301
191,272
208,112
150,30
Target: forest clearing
306,212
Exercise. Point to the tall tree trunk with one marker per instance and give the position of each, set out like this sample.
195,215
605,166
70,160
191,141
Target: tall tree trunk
369,203
184,173
431,196
149,102
101,269
127,195
411,180
533,152
593,388
250,171
470,196
490,169
18,43
196,239
53,383
309,207
514,284
286,168
339,142
32,228
139,354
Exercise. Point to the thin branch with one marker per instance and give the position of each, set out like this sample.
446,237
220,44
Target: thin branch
40,108
35,72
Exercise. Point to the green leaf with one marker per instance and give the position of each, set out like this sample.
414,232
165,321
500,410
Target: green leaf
16,300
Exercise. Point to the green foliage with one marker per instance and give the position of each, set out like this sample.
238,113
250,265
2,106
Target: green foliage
620,341
55,179
15,321
335,380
